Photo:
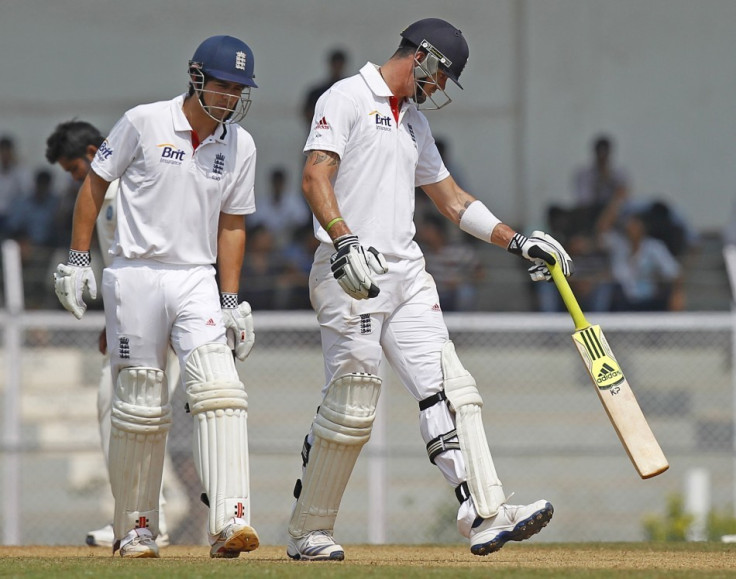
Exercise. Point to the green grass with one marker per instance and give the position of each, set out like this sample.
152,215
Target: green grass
590,560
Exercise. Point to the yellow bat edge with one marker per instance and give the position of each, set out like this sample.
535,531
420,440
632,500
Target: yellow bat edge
613,389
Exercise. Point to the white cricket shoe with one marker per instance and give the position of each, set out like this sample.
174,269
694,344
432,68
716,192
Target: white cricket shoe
512,523
105,537
235,538
315,546
139,543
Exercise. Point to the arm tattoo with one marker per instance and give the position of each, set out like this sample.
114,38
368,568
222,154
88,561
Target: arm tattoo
318,157
462,211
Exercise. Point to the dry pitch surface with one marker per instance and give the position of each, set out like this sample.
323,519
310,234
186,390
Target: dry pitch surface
514,560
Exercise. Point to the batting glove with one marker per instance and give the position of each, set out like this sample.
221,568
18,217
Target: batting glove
542,249
238,325
352,265
71,279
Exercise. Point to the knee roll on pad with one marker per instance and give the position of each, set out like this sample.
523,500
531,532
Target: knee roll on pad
466,402
219,407
342,426
140,421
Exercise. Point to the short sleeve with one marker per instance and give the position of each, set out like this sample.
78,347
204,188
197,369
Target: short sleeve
117,151
334,116
430,167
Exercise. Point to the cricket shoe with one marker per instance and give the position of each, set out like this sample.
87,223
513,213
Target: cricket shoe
315,546
235,538
511,523
105,537
138,543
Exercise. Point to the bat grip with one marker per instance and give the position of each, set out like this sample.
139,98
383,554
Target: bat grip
567,296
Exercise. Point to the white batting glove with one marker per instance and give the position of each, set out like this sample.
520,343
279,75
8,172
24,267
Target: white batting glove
542,249
352,265
71,279
238,325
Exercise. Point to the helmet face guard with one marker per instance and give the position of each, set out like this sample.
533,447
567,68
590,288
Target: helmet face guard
236,108
425,77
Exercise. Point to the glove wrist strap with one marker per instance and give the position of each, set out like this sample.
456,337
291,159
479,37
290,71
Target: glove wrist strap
516,244
228,300
79,258
345,240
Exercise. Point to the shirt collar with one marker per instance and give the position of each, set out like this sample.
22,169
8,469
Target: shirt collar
181,123
374,80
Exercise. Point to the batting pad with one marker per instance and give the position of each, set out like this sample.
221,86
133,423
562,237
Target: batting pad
140,421
465,400
342,426
219,406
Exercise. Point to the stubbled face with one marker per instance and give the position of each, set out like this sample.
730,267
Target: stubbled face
77,168
221,98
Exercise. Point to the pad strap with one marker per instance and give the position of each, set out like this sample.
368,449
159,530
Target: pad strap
430,401
462,492
442,443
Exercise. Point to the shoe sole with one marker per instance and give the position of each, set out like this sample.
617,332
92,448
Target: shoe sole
334,556
150,554
246,539
522,531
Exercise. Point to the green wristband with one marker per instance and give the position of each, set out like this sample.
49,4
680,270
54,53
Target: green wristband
331,223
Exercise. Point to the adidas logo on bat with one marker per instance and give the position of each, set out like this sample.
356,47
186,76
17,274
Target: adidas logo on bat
607,373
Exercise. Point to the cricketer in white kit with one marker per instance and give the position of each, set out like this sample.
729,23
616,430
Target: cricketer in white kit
186,176
368,148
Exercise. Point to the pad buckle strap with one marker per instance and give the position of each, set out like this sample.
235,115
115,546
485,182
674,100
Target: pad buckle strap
462,492
442,443
432,400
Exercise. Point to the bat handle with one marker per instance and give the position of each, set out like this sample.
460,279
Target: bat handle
567,296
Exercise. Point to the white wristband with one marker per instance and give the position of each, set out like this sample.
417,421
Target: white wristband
478,221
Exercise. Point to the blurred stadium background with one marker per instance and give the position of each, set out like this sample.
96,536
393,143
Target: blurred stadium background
543,77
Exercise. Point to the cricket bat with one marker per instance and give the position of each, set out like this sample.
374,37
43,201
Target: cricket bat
613,389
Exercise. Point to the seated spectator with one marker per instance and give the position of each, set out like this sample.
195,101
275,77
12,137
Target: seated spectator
454,266
280,210
31,217
261,270
646,275
297,261
15,180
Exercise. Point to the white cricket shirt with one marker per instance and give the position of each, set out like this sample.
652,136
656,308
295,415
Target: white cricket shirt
105,224
381,160
170,196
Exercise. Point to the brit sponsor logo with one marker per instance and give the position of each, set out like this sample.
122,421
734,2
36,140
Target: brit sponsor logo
105,151
383,123
170,154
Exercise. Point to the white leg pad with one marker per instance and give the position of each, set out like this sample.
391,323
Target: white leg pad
465,400
140,421
342,426
219,405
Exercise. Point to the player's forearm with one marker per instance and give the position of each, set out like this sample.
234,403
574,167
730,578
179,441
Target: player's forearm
86,208
230,251
319,194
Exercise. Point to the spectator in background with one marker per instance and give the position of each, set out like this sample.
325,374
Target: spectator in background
15,180
646,276
281,210
336,61
455,267
597,184
262,267
298,256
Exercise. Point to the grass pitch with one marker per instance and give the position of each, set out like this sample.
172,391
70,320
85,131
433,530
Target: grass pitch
590,560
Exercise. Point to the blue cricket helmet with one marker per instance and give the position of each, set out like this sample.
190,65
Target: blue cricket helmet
225,58
442,38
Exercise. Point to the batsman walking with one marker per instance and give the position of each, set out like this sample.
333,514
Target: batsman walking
368,148
186,172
